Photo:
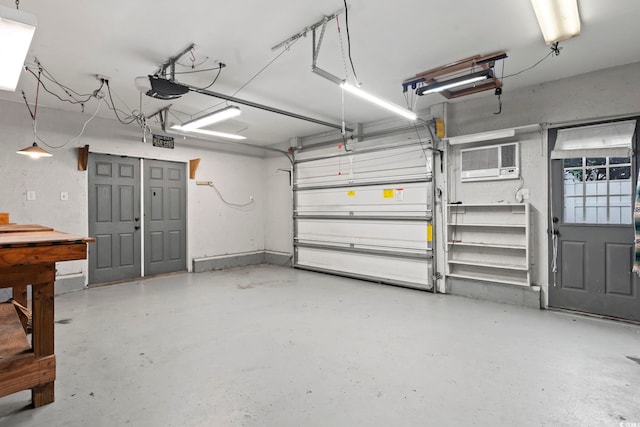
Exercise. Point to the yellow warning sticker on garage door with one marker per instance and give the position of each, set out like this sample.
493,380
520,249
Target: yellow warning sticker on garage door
351,193
388,193
429,233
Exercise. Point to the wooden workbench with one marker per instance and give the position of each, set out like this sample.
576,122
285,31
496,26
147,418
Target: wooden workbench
28,254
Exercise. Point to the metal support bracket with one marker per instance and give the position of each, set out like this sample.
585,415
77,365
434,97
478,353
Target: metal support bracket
316,46
303,33
171,63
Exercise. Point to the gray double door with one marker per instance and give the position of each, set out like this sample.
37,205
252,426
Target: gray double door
115,220
592,212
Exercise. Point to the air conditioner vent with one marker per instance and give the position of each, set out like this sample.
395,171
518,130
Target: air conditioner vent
508,154
490,163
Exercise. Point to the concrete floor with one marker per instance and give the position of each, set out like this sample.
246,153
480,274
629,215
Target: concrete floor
271,346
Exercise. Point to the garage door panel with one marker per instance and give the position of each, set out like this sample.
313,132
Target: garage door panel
410,272
383,234
405,200
366,214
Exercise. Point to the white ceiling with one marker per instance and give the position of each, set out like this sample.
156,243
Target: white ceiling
390,41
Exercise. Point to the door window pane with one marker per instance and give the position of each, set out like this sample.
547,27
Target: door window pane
598,190
596,174
596,161
576,162
620,172
619,160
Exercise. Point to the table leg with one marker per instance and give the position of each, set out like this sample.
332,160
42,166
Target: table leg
43,338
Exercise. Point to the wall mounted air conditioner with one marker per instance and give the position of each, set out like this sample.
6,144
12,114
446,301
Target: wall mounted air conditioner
490,163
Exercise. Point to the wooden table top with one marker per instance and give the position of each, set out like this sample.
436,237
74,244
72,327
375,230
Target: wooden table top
19,235
16,228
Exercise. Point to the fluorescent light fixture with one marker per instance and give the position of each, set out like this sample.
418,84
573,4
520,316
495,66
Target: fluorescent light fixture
455,82
34,152
215,117
16,32
483,136
558,19
210,133
380,102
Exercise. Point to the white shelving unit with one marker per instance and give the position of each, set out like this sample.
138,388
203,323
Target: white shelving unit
489,243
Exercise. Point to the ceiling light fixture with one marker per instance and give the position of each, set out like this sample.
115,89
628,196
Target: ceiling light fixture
34,152
215,117
455,82
558,19
364,95
210,133
378,101
16,32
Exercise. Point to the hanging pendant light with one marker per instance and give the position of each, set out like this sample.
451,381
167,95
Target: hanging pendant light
34,151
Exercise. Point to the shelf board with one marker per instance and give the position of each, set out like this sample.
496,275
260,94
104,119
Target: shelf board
489,265
488,245
487,225
489,279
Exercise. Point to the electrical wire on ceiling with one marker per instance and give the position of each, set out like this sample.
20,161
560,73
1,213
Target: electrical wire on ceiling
498,92
70,92
127,120
343,131
38,77
193,59
555,50
215,79
252,78
76,98
346,20
75,138
34,115
201,71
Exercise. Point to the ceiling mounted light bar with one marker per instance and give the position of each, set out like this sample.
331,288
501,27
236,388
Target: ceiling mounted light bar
215,117
455,82
408,114
210,133
558,19
317,43
16,31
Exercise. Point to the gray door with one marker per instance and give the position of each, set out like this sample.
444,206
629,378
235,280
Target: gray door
164,217
592,200
114,218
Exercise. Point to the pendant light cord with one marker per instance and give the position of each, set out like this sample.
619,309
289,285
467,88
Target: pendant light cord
35,108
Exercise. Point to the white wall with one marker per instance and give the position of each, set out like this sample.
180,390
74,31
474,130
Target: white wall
588,97
213,228
278,231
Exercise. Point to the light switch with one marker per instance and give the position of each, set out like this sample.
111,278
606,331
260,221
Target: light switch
31,195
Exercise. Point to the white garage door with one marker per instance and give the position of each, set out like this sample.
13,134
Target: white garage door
366,212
